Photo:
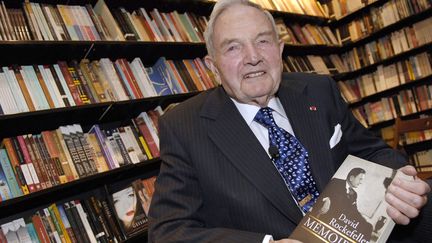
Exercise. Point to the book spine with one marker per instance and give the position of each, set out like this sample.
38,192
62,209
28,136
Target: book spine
73,152
80,151
52,172
40,169
83,215
40,229
55,214
54,161
23,165
89,159
66,223
9,174
73,222
15,165
98,229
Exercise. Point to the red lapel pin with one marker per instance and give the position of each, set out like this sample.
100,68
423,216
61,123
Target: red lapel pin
312,108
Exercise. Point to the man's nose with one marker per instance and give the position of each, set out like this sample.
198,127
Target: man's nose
252,55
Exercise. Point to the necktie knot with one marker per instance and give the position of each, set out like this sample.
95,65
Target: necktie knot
265,117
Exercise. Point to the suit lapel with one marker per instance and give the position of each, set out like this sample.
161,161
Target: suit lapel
306,118
233,137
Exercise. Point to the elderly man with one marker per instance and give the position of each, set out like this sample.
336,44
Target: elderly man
244,162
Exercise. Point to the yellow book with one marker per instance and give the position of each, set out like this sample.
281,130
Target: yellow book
146,148
58,223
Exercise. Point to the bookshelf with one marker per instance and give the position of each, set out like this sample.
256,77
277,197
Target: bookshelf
32,52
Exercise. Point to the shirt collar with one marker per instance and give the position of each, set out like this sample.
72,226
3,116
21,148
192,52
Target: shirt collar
248,111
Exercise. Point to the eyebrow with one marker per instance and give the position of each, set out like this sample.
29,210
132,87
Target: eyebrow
229,41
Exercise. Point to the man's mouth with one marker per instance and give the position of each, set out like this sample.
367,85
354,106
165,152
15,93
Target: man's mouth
254,74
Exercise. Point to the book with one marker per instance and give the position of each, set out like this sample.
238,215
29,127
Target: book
128,208
347,210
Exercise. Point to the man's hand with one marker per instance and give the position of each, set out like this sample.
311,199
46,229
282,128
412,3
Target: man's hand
285,241
406,198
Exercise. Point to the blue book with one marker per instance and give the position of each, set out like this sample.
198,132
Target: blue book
9,174
32,232
162,66
157,79
5,192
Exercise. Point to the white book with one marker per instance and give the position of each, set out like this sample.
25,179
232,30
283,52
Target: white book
161,24
131,150
84,219
37,89
16,90
51,89
103,11
51,80
139,78
30,89
10,232
144,78
6,99
40,19
64,84
67,20
112,77
152,25
171,25
151,127
58,30
21,228
141,155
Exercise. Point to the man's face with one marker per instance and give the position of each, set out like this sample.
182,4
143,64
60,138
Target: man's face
357,180
247,55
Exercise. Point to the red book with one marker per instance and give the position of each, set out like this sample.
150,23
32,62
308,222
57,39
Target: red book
145,131
70,83
40,229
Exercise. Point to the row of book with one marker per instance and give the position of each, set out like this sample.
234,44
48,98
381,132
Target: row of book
307,34
422,160
395,43
33,162
40,21
95,218
312,64
403,103
340,8
380,17
38,87
306,7
387,77
142,25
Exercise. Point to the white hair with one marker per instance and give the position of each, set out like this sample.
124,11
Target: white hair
219,8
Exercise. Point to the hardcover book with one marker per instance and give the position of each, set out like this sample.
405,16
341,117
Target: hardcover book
347,210
127,204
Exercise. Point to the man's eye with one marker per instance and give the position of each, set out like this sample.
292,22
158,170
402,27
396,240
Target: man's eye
231,48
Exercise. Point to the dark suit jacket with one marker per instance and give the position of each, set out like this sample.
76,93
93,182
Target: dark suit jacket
217,183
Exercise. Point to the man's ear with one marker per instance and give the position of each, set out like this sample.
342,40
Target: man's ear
211,64
281,46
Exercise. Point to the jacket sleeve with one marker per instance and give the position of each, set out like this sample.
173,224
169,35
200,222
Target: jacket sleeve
175,214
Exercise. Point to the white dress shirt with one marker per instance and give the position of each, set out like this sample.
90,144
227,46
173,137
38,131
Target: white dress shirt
248,113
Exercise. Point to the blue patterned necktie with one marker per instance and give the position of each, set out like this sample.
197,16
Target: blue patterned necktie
292,162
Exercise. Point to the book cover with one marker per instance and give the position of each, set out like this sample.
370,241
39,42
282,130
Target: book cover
128,208
347,210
